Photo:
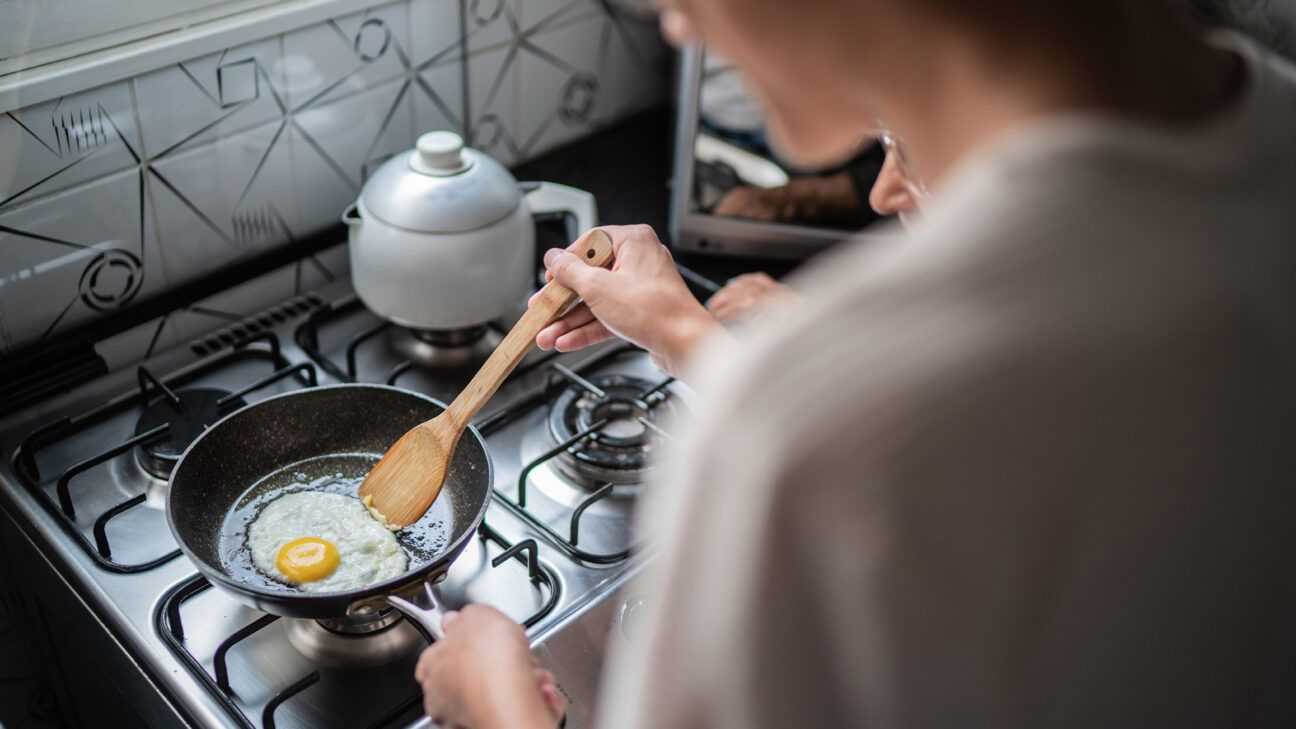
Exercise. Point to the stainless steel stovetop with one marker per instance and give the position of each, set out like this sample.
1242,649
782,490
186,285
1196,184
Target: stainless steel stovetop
570,437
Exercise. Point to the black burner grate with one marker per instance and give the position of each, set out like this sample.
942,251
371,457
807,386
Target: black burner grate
548,394
64,509
170,627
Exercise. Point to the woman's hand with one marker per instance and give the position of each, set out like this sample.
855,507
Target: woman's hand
482,675
748,296
642,298
756,203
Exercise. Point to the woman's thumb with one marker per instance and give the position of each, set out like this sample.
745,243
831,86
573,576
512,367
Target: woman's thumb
569,270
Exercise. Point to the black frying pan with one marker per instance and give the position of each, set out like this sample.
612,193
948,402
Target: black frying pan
312,435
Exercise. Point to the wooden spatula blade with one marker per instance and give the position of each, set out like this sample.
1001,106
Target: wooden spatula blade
408,478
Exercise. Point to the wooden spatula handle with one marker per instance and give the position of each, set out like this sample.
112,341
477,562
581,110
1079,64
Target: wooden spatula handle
553,300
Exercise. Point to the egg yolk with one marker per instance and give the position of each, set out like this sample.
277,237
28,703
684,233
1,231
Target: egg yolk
307,559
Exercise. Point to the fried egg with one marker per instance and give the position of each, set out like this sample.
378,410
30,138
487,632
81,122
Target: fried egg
323,542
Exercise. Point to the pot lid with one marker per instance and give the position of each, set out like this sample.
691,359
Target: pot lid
441,186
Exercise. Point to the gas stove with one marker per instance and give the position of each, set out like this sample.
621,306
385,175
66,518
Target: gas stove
571,437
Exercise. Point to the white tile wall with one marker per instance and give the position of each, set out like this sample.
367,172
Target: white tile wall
190,103
559,83
438,99
435,36
328,61
634,68
116,192
492,102
490,23
224,201
74,254
57,144
537,14
339,145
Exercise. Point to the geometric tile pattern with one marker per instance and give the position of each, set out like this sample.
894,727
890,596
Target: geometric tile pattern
110,195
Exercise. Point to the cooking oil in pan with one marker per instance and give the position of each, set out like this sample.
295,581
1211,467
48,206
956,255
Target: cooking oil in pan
422,542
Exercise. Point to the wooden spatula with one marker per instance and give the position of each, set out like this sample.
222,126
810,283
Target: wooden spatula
402,486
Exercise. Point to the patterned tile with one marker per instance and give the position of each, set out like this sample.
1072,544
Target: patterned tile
337,146
70,256
253,297
576,75
490,23
223,201
559,84
492,102
536,15
438,99
185,105
342,56
635,66
435,36
55,145
110,194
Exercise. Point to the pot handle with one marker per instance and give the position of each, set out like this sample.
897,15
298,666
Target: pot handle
549,197
351,216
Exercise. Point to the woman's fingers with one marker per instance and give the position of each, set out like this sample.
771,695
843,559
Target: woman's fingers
575,319
746,295
595,332
579,329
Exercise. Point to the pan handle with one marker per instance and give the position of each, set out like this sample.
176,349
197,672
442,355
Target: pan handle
429,618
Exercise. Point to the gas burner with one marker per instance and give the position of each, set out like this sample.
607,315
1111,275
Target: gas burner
363,623
345,644
449,337
617,452
188,412
445,348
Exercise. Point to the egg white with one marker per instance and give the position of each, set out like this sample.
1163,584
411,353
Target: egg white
368,551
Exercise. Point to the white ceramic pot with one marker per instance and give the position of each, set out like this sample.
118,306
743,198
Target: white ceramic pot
442,236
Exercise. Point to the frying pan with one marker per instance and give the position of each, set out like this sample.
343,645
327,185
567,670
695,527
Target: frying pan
252,455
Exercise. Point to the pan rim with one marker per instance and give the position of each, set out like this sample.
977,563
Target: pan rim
261,595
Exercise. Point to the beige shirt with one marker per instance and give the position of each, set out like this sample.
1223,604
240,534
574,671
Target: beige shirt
1034,468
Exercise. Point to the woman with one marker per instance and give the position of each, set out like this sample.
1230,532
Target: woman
1032,468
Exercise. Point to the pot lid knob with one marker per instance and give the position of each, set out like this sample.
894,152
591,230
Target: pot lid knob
440,154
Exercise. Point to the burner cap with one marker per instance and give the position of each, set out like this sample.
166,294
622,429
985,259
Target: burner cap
443,350
346,644
196,409
450,337
617,452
